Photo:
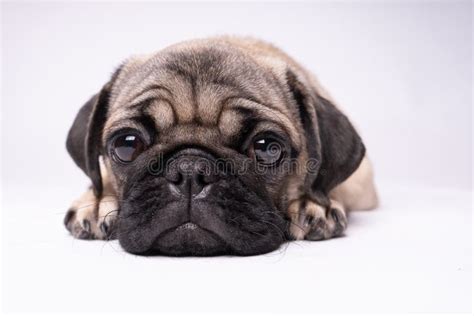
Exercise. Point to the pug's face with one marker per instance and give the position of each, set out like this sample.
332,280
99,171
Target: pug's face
199,144
206,145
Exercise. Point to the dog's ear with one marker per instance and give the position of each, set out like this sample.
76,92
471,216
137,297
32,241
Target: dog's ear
331,139
84,139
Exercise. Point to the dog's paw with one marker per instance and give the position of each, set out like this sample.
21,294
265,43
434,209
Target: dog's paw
314,222
90,218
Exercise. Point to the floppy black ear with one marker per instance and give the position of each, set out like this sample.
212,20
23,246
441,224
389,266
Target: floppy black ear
341,146
331,138
84,139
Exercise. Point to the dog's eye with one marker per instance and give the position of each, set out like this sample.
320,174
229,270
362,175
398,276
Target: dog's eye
127,147
267,151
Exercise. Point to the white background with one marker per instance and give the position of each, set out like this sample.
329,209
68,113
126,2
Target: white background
402,72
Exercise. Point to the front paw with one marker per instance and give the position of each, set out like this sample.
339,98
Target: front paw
314,222
89,218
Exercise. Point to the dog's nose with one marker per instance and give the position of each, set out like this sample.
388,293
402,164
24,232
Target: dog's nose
190,173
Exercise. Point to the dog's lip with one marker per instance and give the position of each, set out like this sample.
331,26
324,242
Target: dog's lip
187,226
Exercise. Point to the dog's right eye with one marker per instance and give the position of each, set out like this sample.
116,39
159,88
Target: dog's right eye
267,151
127,147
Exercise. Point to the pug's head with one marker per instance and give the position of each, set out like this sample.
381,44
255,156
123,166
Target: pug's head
206,143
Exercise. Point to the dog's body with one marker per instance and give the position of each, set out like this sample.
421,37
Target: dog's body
191,106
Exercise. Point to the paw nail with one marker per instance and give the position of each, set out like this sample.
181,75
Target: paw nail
104,227
86,225
335,216
69,216
84,235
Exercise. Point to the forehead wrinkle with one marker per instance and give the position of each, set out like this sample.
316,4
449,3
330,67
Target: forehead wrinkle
117,117
217,67
270,111
125,92
153,89
225,105
250,102
230,122
210,101
184,94
147,101
163,112
139,79
191,134
148,97
264,114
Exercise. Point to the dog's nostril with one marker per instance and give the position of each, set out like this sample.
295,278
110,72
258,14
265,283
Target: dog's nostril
190,183
189,174
201,179
179,179
175,177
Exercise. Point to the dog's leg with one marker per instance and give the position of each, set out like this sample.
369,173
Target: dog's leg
311,221
92,218
358,191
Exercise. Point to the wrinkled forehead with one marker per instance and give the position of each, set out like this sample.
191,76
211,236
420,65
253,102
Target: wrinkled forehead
221,93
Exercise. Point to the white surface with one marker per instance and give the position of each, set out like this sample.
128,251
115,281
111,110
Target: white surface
401,70
411,255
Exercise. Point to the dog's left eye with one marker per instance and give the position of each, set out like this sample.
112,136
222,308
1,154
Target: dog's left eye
267,151
127,147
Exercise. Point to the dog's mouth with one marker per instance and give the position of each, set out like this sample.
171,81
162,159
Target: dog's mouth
234,218
188,239
204,230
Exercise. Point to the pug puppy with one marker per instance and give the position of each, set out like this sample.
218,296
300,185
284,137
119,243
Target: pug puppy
215,146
